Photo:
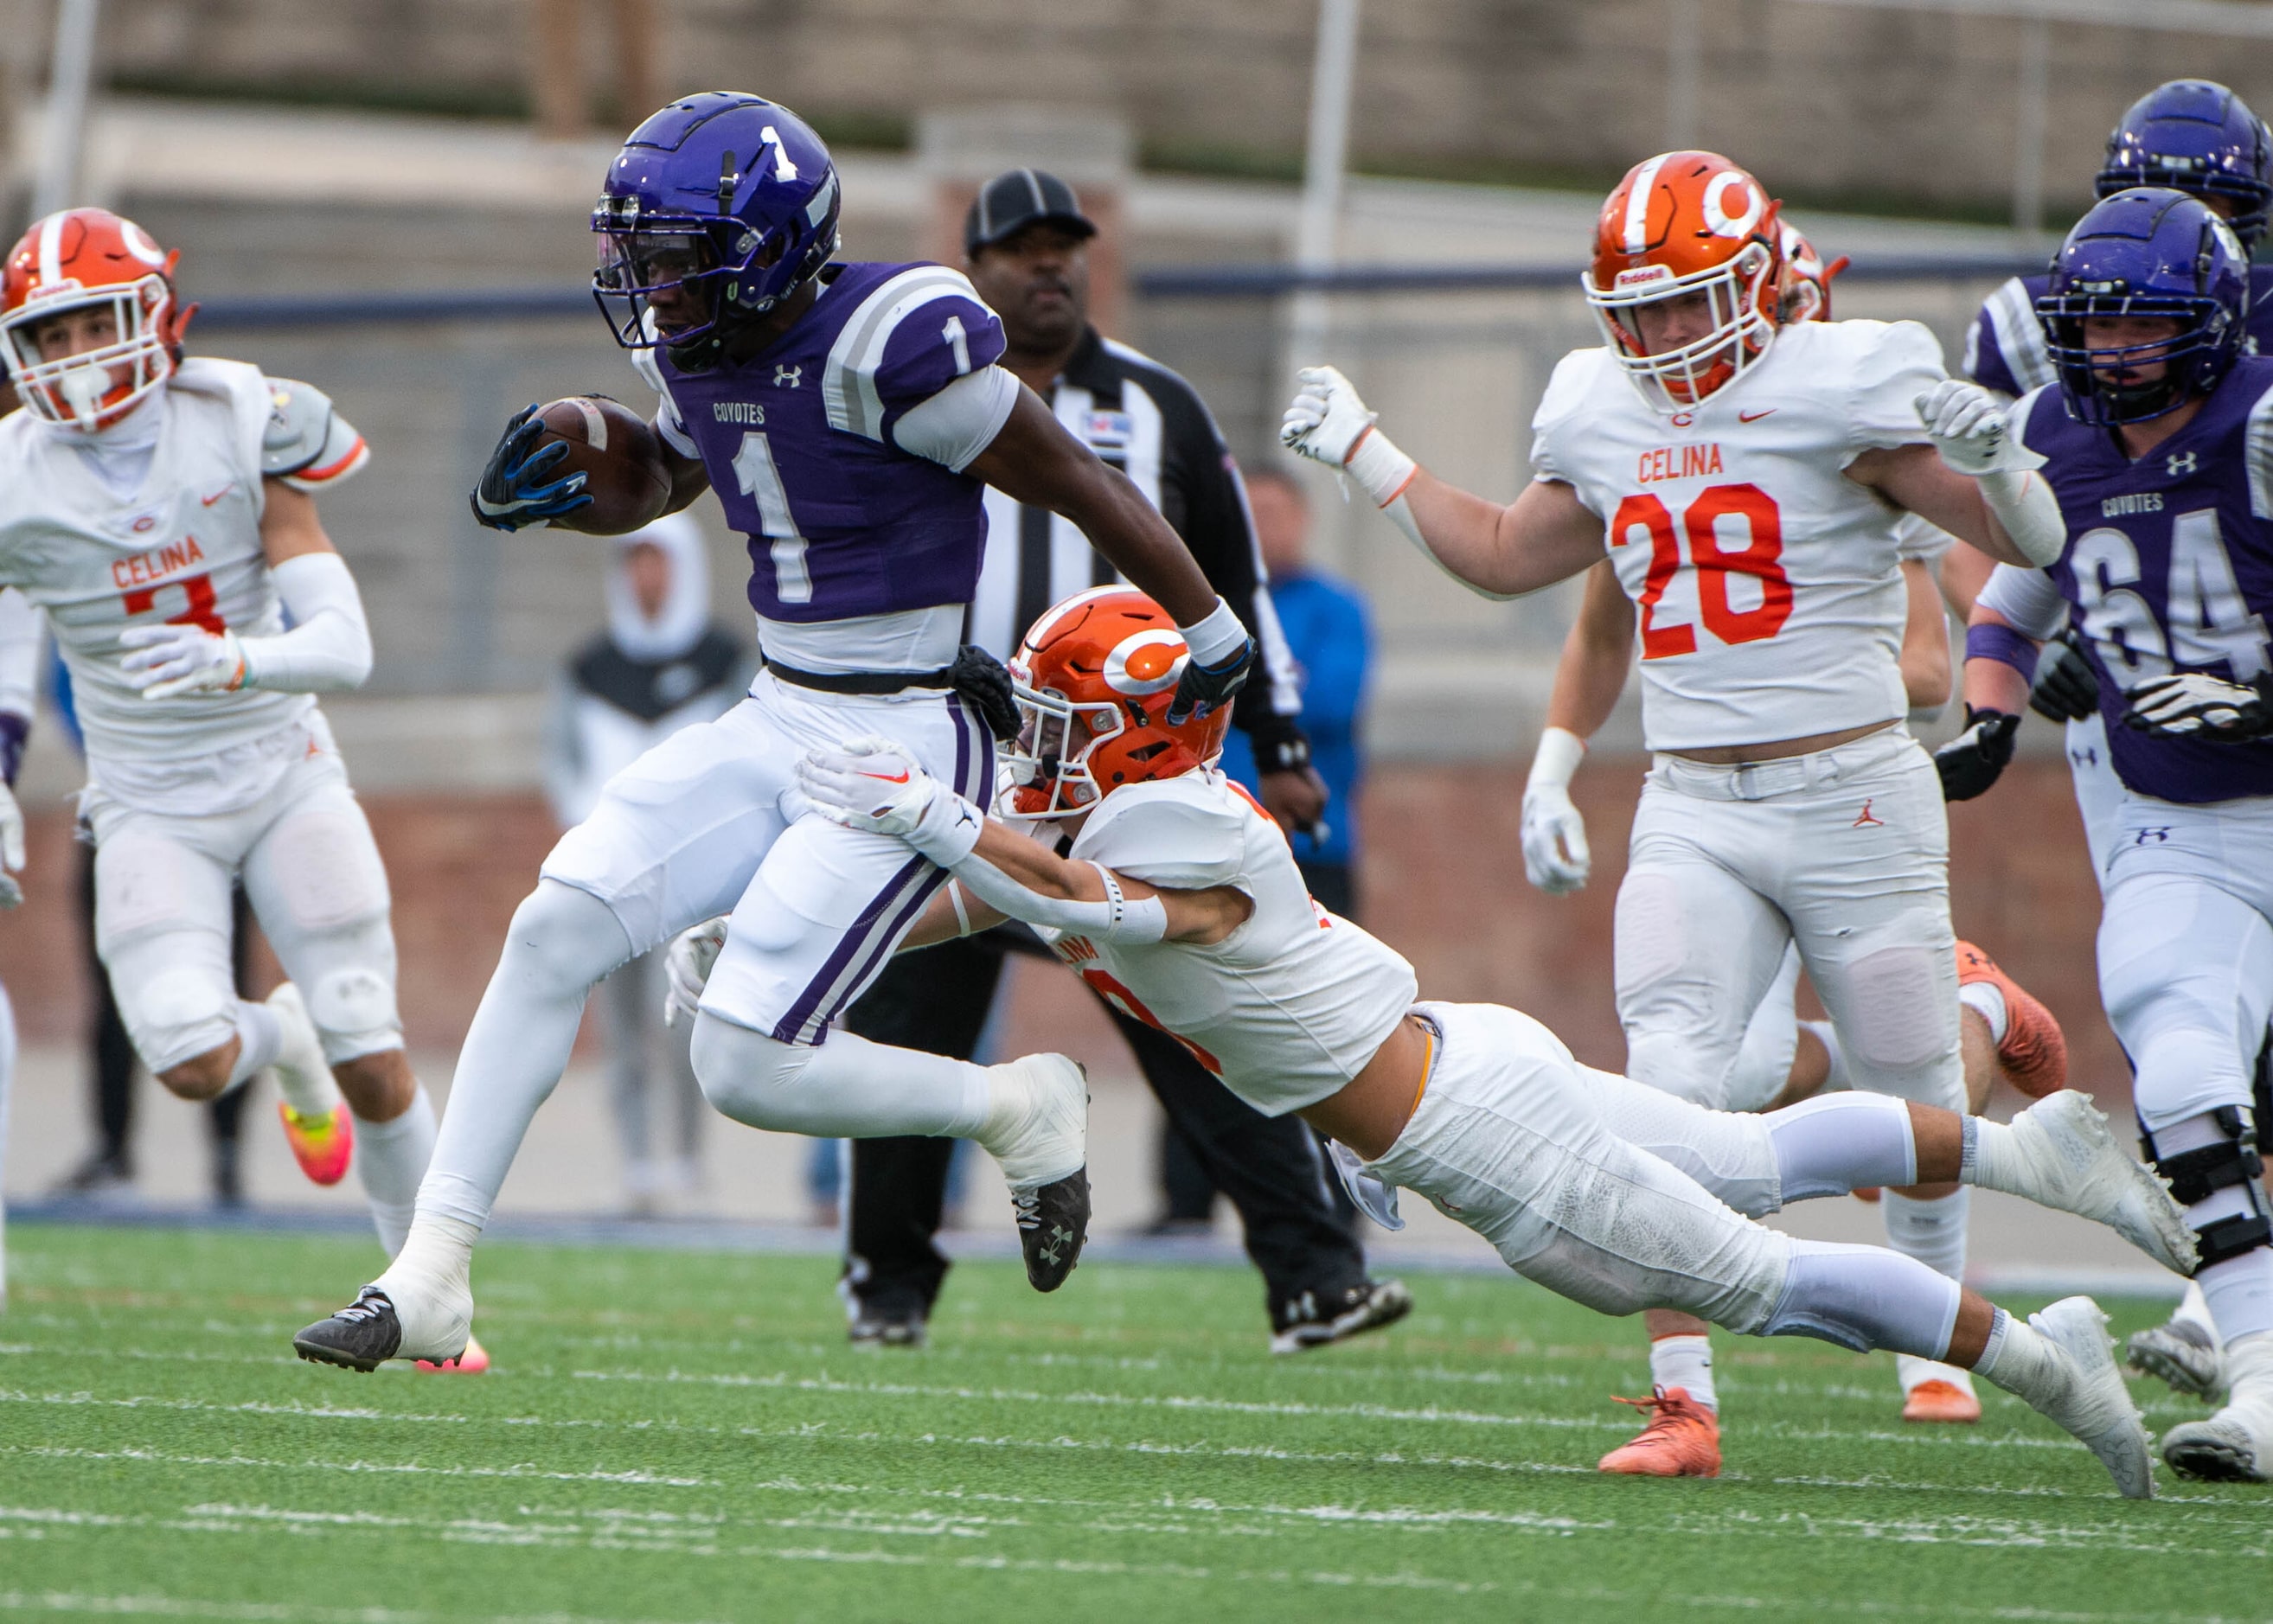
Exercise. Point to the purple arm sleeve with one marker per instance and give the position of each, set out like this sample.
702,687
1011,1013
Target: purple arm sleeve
2004,644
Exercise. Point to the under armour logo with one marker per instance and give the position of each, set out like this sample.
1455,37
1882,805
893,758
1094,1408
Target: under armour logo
2180,463
2086,757
2152,837
788,376
1864,820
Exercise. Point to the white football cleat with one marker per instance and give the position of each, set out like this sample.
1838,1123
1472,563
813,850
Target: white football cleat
2072,1163
2093,1403
2235,1444
2183,1355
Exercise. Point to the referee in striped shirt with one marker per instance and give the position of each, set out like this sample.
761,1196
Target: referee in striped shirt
1026,244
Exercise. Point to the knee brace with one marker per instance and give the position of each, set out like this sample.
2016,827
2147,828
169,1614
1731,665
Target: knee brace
2217,1182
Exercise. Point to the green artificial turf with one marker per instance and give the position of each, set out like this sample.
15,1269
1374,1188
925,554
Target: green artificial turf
675,1436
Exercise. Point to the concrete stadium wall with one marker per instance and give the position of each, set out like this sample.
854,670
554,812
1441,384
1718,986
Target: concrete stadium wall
1825,101
1442,883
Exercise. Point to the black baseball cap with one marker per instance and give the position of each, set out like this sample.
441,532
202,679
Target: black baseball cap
1018,198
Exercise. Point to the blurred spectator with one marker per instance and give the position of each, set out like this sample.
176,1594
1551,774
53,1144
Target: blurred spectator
1331,641
661,665
108,1173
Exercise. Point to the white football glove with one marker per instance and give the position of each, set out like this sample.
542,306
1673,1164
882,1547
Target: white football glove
1555,855
170,659
2191,702
1327,419
12,849
873,784
686,965
1969,429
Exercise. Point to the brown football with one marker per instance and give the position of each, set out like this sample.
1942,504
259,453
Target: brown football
618,452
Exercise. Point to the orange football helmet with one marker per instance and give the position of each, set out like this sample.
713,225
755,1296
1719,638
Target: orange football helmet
1807,279
80,259
1682,224
1093,679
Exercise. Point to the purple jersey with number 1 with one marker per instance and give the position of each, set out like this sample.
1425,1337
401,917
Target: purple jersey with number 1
2169,566
799,442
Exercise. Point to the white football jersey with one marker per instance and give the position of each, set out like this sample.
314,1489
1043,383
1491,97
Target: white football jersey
184,547
1768,583
1289,1006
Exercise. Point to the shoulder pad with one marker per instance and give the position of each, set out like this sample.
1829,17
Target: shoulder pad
1186,834
887,357
305,443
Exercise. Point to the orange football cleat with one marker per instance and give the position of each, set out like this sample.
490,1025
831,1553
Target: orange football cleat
472,1362
1940,1400
322,1145
2034,1054
1683,1439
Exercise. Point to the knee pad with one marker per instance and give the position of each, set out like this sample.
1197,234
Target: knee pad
354,1011
1897,1015
321,865
2220,1178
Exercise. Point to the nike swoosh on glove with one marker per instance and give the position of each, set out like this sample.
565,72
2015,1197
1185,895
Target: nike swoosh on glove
868,783
163,661
1969,763
2204,706
516,490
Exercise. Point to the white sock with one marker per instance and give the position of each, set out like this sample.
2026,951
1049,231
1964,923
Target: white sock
430,1277
391,1157
1836,1081
260,1039
1932,1232
2239,1293
1684,1361
2195,1306
1986,999
2019,1359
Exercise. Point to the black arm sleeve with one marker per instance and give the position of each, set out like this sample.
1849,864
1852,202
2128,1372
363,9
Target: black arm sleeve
1204,502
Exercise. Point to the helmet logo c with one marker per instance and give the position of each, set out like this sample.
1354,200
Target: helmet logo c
139,244
1716,212
1146,662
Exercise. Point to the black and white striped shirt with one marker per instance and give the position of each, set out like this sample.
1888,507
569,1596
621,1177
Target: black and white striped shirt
1143,419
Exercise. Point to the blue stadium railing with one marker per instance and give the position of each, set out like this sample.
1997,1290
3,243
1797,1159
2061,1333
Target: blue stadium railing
1203,281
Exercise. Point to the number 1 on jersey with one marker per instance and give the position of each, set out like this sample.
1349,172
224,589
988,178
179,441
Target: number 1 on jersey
760,481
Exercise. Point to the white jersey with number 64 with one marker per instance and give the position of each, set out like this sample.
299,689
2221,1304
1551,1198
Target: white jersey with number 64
1768,583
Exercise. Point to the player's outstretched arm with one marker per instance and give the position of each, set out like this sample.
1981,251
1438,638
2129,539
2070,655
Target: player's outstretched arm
326,651
873,785
1974,480
1544,536
1034,460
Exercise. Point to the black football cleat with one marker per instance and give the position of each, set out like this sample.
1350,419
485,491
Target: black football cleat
363,1336
1313,1319
1053,1224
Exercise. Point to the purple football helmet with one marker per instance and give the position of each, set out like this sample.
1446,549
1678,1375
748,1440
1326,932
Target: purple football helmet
2197,136
2148,252
718,208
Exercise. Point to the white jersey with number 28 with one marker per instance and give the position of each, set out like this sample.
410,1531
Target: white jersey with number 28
1768,583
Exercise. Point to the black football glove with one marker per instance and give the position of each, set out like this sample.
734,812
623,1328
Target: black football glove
1202,688
2064,689
1969,763
979,678
513,491
2193,704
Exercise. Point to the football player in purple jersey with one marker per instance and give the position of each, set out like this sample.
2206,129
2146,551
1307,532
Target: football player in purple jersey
2158,438
850,417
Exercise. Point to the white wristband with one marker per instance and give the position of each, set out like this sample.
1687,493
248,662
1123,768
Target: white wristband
2029,512
1376,463
1216,638
1560,752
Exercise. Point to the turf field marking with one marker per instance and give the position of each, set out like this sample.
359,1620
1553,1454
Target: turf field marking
154,1457
258,1613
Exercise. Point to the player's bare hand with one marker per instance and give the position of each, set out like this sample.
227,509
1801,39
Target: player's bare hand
516,488
2064,689
1969,428
163,661
2203,706
686,965
1555,855
1969,763
1327,419
1297,797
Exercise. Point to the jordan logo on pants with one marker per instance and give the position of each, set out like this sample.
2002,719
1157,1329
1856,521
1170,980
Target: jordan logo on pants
1864,820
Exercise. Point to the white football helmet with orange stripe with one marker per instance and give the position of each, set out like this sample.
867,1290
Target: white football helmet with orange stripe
1093,678
1683,224
89,259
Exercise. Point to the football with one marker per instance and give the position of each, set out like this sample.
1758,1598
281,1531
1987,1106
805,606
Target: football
621,456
